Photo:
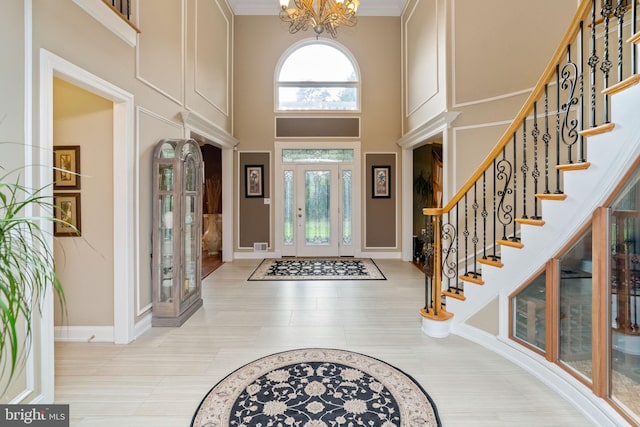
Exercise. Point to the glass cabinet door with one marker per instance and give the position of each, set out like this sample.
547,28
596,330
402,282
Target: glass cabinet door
166,213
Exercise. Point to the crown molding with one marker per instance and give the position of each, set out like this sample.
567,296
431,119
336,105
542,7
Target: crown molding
271,7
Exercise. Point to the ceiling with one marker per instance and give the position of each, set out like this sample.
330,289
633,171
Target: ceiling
272,7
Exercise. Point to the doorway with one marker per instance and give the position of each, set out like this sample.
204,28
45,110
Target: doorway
212,206
319,192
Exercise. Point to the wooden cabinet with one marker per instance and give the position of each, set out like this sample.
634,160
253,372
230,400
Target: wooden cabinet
177,231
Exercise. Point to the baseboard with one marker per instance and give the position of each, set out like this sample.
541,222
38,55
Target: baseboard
381,255
255,255
83,333
142,326
572,390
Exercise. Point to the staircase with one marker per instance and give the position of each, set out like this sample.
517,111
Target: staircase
574,141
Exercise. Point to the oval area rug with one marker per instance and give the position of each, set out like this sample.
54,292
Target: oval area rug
317,388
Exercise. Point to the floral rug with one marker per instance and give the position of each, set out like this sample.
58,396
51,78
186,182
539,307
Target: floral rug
317,388
317,269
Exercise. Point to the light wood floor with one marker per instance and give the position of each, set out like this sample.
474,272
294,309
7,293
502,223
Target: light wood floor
159,379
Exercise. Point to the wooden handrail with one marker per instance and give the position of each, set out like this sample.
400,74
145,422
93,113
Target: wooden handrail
536,93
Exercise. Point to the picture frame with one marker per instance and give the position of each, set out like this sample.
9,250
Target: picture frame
380,182
66,167
67,214
254,180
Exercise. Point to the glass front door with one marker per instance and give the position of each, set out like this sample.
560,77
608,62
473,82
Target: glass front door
316,210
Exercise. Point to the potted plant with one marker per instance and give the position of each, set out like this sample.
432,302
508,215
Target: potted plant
26,270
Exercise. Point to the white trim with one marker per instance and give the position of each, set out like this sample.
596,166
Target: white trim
124,206
46,365
597,410
142,326
225,141
240,196
224,110
494,98
381,255
256,255
432,127
141,110
315,41
205,127
367,8
394,190
278,194
107,17
84,333
180,97
419,105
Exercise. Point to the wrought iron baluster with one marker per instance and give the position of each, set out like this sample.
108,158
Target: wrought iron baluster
619,12
569,131
465,233
535,173
558,190
484,214
593,63
450,253
524,169
634,49
504,173
605,66
495,210
546,137
581,158
475,239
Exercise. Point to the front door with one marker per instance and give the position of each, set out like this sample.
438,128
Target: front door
316,210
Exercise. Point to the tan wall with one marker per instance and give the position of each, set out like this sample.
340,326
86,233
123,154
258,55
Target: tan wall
85,264
183,62
380,213
253,214
259,43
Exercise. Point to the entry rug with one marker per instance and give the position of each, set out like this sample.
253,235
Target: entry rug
318,269
317,388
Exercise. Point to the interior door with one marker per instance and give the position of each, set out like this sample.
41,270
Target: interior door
316,210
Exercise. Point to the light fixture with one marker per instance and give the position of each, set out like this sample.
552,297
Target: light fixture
321,15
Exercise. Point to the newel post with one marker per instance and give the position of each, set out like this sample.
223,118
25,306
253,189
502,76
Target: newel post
435,318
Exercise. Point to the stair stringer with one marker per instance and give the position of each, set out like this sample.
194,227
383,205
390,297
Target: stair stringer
611,155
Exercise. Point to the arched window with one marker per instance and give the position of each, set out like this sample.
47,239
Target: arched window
317,75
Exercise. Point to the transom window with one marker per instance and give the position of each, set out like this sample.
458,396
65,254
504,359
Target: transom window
317,75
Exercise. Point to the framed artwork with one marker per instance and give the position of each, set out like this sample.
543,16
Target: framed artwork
381,182
67,213
254,180
66,167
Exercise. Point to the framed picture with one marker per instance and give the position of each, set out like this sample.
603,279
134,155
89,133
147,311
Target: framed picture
380,182
254,181
66,167
67,212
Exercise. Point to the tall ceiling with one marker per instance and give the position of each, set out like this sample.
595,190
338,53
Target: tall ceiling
272,7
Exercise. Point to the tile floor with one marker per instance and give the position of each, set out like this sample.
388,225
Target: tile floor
159,379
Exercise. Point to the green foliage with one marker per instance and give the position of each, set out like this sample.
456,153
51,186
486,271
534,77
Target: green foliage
26,270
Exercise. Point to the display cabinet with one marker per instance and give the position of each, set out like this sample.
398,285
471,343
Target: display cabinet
177,229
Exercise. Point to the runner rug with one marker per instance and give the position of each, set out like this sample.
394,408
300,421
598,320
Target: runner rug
317,388
317,269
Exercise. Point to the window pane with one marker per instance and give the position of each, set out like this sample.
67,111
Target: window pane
317,98
317,205
316,156
575,307
346,208
288,208
529,319
625,298
317,63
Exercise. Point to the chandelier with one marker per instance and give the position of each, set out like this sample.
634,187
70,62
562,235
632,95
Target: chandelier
321,15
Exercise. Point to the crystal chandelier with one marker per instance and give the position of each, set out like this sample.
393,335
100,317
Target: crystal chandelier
320,15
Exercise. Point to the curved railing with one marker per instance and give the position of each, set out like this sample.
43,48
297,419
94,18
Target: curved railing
595,58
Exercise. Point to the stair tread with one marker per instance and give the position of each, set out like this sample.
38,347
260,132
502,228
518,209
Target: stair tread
459,296
475,280
574,166
491,262
530,221
510,243
624,84
558,197
607,127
